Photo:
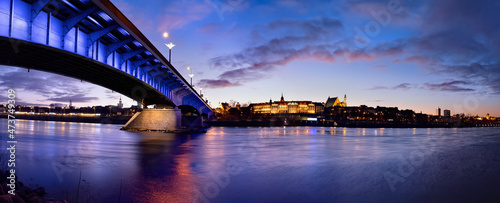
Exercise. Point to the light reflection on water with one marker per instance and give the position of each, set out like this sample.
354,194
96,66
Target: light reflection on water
295,164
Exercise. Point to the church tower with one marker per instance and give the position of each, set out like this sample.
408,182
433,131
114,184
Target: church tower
120,104
282,98
345,101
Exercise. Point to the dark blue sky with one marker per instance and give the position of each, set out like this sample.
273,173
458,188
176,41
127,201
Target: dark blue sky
413,54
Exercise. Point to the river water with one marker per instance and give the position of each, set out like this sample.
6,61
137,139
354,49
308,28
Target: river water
268,164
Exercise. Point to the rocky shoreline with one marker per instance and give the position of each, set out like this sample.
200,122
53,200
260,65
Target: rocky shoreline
23,193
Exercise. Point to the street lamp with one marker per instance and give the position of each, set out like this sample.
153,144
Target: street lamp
169,45
191,75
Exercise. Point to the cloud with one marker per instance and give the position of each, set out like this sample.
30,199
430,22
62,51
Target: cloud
456,39
402,86
452,86
50,86
301,40
180,13
216,84
74,98
209,28
379,66
459,40
484,75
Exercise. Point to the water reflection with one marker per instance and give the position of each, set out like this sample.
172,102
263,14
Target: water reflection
295,164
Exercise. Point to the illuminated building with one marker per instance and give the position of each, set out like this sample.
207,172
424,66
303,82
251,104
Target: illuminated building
287,107
120,104
334,101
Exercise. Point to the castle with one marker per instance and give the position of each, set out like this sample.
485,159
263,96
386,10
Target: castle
295,107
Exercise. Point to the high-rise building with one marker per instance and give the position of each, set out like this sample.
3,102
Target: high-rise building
447,113
438,111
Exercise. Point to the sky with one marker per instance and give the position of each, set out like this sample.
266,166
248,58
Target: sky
412,54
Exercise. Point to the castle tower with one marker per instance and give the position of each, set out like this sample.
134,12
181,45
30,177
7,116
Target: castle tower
120,104
345,101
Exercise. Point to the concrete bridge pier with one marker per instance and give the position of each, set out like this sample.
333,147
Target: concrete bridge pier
162,119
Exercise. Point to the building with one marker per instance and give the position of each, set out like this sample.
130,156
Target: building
287,107
120,104
447,113
334,101
438,111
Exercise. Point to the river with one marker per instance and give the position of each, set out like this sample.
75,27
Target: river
258,164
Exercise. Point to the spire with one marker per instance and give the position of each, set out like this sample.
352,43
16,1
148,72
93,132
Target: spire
345,101
282,98
120,104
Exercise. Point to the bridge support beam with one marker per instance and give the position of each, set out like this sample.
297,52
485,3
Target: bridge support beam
155,119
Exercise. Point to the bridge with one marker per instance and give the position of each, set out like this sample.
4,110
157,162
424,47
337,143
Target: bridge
93,41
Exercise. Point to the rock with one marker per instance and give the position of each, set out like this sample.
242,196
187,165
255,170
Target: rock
40,191
6,198
5,187
21,191
17,199
1,191
36,199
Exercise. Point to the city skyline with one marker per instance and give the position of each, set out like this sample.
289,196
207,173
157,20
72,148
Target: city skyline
411,55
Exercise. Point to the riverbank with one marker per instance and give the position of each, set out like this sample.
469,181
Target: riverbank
278,122
22,192
73,118
254,123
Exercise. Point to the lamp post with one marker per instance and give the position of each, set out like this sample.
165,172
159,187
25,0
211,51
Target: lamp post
191,75
169,45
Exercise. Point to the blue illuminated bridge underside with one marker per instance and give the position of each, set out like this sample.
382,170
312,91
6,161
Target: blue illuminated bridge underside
93,41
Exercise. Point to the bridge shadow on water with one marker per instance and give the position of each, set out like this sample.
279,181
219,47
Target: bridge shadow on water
165,168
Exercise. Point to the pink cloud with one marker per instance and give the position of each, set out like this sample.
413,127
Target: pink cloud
175,18
206,83
378,66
